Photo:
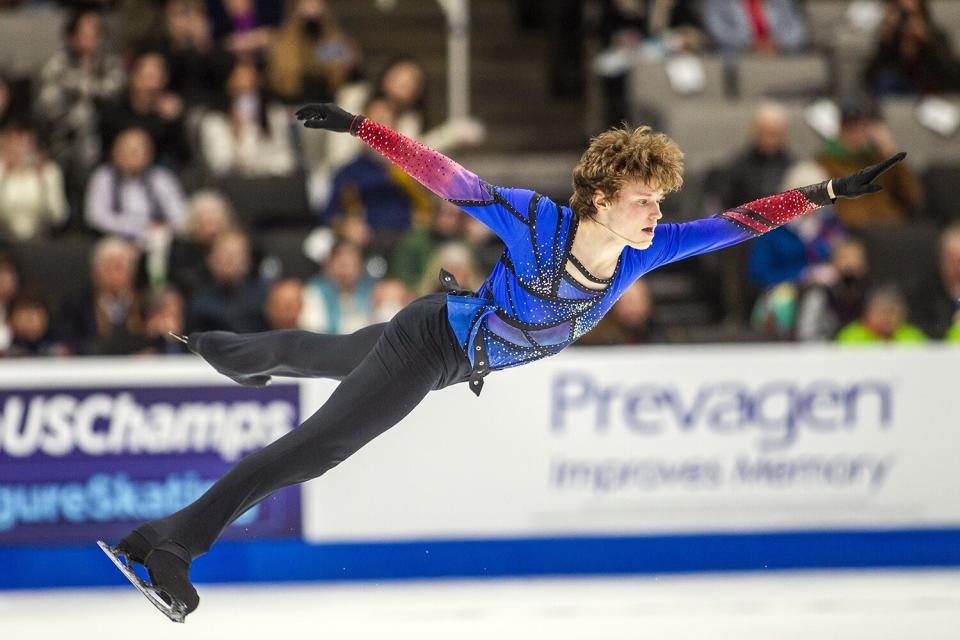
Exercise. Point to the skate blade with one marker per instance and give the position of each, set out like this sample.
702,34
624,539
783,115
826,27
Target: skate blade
182,339
176,611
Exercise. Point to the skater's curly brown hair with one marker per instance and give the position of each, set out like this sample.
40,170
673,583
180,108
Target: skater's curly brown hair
622,155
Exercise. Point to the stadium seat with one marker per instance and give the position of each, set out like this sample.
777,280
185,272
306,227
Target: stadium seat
782,76
924,146
29,39
286,245
647,85
262,203
59,267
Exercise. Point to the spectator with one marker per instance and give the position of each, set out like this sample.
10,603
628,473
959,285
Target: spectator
761,26
233,299
311,57
390,295
937,300
459,260
884,320
864,139
245,27
340,300
130,196
630,321
828,303
108,318
800,249
148,105
164,316
197,64
372,187
210,215
284,305
31,330
417,246
250,135
756,172
73,84
759,170
913,55
9,289
402,84
32,197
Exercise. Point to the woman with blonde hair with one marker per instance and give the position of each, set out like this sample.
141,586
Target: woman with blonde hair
310,57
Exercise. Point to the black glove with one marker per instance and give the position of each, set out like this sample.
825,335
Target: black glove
329,116
859,184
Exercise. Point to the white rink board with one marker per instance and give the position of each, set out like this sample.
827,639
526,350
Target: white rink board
657,440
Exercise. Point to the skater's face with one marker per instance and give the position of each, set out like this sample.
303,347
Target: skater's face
633,212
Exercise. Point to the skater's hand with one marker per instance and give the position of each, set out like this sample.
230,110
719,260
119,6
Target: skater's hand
328,116
859,184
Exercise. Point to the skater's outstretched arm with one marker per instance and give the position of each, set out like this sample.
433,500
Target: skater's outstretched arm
503,210
673,242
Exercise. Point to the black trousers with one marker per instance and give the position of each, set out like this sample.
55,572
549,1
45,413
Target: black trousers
385,371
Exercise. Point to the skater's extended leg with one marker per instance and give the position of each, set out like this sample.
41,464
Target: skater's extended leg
415,353
253,357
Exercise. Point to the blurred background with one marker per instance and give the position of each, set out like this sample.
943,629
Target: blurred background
754,442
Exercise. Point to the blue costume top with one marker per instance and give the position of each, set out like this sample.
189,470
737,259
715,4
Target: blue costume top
529,307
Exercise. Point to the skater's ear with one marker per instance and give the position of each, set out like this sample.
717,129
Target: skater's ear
600,200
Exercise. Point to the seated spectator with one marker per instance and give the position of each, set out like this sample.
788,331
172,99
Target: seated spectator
209,216
913,55
32,197
761,26
373,187
310,57
761,167
799,250
245,28
284,304
390,295
935,301
884,320
630,321
233,299
197,64
339,301
71,86
149,105
402,84
250,135
755,172
164,315
108,318
459,260
835,298
9,289
30,329
864,139
130,195
417,246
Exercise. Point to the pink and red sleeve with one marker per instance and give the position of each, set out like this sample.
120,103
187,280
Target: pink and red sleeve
432,169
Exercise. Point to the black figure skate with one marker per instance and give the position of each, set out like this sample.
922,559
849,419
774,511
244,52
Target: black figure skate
169,589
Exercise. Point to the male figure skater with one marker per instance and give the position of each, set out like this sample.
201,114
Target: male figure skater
562,269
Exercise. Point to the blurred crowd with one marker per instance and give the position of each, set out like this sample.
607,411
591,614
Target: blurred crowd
149,105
